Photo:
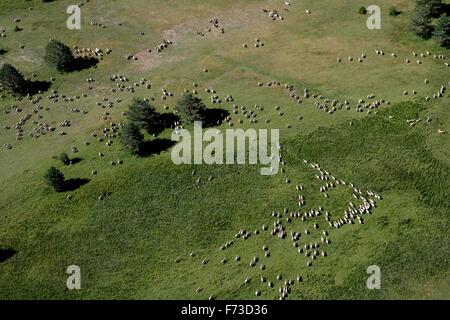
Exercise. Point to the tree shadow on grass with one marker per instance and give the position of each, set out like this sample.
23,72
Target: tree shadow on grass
5,254
168,120
3,51
34,87
80,63
214,117
155,146
74,184
75,160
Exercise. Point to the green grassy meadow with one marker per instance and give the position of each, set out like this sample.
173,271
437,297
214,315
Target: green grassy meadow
126,244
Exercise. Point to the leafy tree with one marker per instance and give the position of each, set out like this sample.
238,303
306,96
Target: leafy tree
132,138
362,10
12,80
421,22
190,108
143,115
442,31
434,8
64,158
54,178
58,55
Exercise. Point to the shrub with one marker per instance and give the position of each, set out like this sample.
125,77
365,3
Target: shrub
421,22
59,56
442,31
12,80
393,12
54,178
434,8
64,158
143,115
132,138
190,108
362,10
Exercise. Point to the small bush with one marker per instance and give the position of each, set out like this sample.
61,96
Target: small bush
132,138
362,10
64,158
434,8
421,23
143,115
59,56
55,179
12,80
190,108
393,12
441,33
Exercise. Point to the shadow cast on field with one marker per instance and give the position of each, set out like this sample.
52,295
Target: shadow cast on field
3,51
5,254
75,160
168,120
74,184
80,63
155,146
215,116
35,87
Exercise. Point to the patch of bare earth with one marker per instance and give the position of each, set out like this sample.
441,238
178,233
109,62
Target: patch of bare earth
185,34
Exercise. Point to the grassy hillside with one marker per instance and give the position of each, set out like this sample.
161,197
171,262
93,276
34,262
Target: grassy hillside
126,244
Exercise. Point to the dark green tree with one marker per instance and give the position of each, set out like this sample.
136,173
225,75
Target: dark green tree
12,80
441,31
59,56
362,10
190,108
132,138
54,178
434,8
143,115
421,22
